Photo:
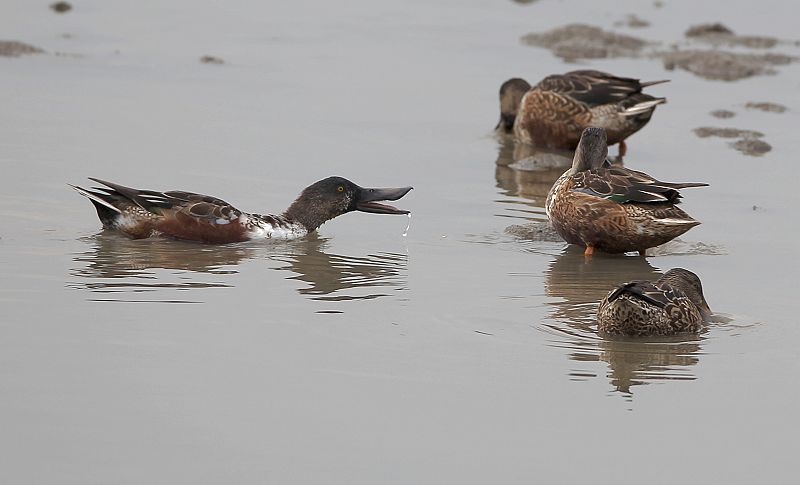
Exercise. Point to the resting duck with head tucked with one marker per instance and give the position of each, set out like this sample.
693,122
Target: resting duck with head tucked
673,304
554,113
612,208
196,217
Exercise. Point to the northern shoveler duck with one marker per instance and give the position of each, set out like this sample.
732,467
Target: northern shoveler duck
556,111
196,217
612,208
671,305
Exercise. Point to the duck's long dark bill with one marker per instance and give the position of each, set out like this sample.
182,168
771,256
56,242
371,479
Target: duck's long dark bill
368,200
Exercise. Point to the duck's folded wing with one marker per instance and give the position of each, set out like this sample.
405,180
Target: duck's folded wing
645,291
623,185
198,207
202,208
594,88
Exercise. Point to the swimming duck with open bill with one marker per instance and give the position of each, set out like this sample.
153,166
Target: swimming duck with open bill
196,217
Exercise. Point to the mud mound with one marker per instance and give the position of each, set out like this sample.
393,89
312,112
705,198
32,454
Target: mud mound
718,34
580,41
768,107
748,142
61,7
12,48
722,114
211,60
724,66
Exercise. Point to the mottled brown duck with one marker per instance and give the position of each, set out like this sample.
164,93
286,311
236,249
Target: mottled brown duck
671,305
613,208
554,113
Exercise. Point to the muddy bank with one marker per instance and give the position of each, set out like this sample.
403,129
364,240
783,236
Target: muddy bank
724,66
722,114
718,34
768,107
581,41
12,48
748,141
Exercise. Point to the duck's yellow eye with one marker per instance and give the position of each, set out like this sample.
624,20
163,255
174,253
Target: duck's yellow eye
340,188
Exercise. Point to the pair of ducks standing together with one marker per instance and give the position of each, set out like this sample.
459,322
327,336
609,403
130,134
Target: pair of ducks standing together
594,204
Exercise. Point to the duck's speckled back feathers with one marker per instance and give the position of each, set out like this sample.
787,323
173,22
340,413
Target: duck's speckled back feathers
612,208
555,111
624,185
673,304
595,88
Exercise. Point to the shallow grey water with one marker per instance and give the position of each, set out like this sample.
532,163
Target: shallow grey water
457,354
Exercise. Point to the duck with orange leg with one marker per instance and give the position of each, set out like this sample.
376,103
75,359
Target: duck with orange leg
612,208
195,217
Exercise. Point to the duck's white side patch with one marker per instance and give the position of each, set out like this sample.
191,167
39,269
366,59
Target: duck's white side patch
258,228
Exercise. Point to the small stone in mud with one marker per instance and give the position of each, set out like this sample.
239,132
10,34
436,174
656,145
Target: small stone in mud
632,21
718,34
61,7
768,107
579,41
535,231
703,30
752,147
211,60
724,66
722,114
12,48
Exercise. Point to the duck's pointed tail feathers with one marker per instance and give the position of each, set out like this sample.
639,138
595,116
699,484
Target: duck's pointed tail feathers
653,83
106,211
643,107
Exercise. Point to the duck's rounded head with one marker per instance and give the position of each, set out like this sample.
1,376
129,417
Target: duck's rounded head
511,93
592,150
690,284
334,196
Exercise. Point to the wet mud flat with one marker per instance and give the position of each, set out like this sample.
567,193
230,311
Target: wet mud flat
12,48
748,142
580,41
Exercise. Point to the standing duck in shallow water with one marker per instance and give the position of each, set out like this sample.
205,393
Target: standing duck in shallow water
196,217
612,208
556,111
673,304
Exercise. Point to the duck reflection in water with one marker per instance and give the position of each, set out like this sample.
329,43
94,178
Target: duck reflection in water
576,287
528,172
118,265
331,276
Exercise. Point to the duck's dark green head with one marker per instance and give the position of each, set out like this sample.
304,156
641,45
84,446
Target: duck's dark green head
690,284
334,196
511,93
592,150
